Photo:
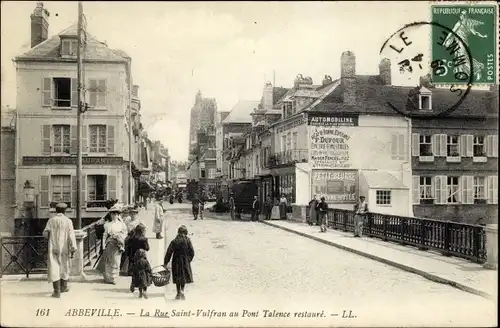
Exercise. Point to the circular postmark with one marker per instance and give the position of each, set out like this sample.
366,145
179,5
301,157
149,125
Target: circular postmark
418,103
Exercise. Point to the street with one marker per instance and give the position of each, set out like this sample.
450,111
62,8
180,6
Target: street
253,269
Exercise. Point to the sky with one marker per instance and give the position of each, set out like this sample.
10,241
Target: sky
228,50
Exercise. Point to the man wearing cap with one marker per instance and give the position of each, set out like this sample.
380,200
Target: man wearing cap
361,210
61,247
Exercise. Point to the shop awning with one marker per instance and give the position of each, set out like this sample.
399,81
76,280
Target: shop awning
382,180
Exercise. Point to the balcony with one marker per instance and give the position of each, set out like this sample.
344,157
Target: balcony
288,157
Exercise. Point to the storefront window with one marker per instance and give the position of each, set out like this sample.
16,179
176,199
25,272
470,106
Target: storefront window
287,187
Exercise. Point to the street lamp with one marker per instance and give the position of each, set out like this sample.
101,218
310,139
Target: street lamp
29,204
29,193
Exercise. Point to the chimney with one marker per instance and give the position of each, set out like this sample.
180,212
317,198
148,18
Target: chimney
425,81
135,90
384,69
327,80
268,96
39,25
348,76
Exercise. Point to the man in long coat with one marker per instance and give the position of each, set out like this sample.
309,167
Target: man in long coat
62,246
159,218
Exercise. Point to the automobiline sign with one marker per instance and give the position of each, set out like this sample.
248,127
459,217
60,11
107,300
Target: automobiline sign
70,160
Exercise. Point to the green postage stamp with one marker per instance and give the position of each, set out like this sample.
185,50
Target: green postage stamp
469,26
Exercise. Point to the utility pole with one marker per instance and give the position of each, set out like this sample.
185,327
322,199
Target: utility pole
79,64
130,178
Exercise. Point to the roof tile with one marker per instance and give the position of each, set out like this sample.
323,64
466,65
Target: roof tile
50,49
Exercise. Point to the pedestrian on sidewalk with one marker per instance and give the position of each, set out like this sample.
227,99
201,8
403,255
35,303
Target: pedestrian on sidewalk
159,218
313,215
137,240
61,248
255,209
361,211
322,213
181,252
283,207
203,199
142,274
232,206
195,206
115,232
126,217
269,207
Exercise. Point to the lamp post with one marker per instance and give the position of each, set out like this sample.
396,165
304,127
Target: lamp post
29,204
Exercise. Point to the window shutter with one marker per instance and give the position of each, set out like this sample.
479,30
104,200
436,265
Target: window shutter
74,140
459,192
470,146
73,191
440,189
416,189
84,139
435,144
46,132
92,92
394,146
83,194
492,187
463,146
74,92
111,187
101,100
494,145
110,137
442,145
47,92
44,191
402,146
487,148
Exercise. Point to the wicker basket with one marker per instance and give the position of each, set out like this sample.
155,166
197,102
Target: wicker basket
161,278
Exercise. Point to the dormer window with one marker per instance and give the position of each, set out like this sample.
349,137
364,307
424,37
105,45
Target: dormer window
425,100
287,109
69,47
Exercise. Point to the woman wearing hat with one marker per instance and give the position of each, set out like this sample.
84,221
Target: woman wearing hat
115,232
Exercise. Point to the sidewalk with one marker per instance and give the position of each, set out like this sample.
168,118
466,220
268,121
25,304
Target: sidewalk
459,273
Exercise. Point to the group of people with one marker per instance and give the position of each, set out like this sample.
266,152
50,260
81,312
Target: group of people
123,250
318,214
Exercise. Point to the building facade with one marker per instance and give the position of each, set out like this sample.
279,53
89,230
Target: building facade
202,167
455,157
8,172
337,140
47,101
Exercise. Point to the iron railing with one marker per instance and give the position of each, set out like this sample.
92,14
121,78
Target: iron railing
28,254
92,245
462,240
288,157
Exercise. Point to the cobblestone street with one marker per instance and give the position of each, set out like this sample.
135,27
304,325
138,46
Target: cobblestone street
239,265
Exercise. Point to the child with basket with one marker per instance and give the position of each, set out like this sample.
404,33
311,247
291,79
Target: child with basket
136,241
142,275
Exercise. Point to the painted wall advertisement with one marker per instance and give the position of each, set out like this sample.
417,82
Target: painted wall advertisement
330,141
337,186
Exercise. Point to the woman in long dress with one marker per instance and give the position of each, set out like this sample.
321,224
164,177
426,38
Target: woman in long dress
115,232
283,203
181,252
313,219
159,218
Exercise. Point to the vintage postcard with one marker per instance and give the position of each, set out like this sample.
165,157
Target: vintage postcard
249,164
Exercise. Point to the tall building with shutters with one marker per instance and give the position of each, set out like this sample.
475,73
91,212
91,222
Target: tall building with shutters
46,136
455,157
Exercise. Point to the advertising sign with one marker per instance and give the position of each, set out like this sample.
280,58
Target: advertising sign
70,160
337,186
330,141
